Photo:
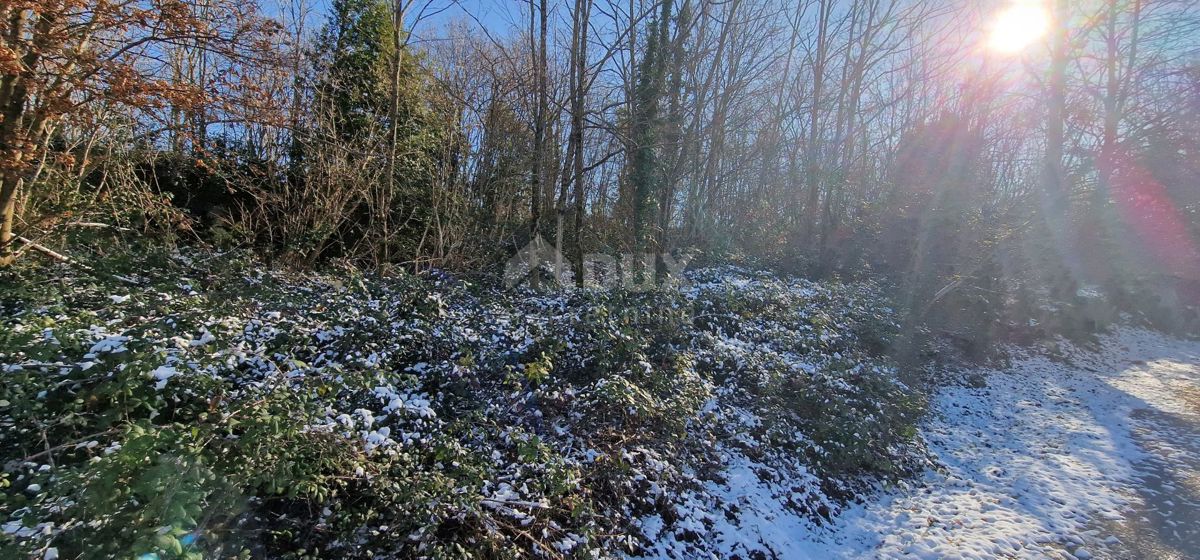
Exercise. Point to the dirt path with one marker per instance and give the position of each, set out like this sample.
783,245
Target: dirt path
1064,453
1165,520
1092,454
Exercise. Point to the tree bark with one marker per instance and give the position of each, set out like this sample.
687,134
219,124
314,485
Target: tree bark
539,125
812,155
1054,179
383,213
578,96
8,196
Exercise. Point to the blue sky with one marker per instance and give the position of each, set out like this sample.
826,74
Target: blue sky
500,17
497,15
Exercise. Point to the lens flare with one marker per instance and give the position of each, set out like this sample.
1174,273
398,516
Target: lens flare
1018,26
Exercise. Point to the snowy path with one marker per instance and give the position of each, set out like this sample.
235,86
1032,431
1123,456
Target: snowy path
1095,456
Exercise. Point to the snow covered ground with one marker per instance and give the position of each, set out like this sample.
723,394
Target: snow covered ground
722,420
1089,454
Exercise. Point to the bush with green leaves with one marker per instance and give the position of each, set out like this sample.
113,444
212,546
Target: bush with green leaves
217,408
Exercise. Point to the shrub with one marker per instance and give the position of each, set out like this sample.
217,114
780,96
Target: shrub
220,409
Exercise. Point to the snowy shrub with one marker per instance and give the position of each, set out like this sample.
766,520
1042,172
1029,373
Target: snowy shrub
219,409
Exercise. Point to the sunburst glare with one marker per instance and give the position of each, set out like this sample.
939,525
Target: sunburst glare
1018,26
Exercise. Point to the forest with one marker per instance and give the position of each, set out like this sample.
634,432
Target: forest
586,278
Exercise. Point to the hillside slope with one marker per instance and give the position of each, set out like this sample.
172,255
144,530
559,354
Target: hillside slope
220,408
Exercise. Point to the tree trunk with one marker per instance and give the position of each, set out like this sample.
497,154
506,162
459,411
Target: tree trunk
16,134
539,125
1054,180
384,211
645,174
1056,113
8,197
578,96
812,159
675,123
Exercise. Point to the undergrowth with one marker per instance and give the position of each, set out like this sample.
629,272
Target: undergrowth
219,409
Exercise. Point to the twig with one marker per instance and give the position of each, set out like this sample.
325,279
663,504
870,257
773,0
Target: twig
68,260
98,225
515,503
12,465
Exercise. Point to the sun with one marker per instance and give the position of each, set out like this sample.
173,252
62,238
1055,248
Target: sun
1018,26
